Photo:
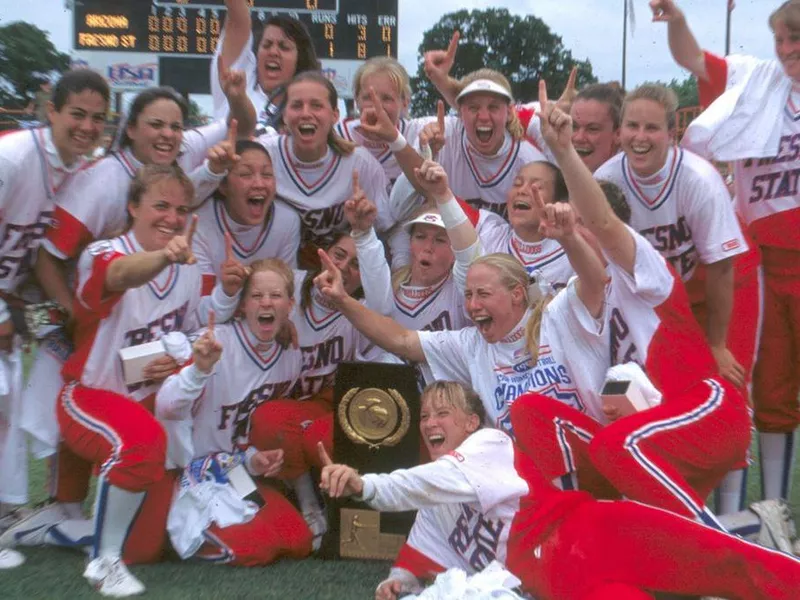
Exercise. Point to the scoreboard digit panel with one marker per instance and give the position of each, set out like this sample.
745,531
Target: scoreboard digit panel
363,29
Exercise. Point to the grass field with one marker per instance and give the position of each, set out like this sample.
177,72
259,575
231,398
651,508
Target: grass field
56,574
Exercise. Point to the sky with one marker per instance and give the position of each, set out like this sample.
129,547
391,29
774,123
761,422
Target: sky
589,28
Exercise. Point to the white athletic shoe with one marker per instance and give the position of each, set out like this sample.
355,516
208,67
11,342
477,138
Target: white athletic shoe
32,529
10,559
318,524
775,525
109,576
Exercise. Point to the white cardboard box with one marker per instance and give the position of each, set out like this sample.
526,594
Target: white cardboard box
136,358
625,396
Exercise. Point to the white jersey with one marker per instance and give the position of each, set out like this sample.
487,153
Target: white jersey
32,180
249,374
650,322
483,181
106,322
319,190
684,210
546,256
572,357
408,128
277,237
466,501
95,204
326,338
767,190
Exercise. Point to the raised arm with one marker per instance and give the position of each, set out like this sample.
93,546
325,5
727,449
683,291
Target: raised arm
137,269
682,43
438,64
238,26
383,331
376,278
585,193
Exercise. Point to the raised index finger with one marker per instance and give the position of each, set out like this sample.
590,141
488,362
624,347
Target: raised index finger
543,94
228,246
538,201
191,229
323,455
453,45
326,261
356,186
232,127
440,115
212,319
573,75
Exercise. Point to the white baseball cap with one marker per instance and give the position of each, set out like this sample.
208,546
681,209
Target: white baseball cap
485,85
428,218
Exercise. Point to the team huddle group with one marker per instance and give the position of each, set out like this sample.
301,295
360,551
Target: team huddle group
520,255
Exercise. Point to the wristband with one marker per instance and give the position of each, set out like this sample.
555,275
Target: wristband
398,144
452,213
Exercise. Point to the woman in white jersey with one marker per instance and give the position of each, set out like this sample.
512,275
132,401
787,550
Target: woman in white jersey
244,217
314,167
326,339
130,290
35,166
483,148
466,497
522,338
269,58
753,124
237,367
382,81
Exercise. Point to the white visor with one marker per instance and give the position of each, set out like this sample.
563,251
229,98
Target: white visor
426,219
485,85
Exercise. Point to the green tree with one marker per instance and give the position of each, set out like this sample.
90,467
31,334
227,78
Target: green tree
686,91
522,48
27,59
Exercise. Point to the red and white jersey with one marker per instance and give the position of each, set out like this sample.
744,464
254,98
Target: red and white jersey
94,205
249,374
684,210
319,190
326,338
277,237
650,322
767,192
409,129
546,256
483,181
466,501
107,321
571,354
32,180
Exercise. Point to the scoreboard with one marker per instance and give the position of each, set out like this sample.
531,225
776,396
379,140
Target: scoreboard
340,29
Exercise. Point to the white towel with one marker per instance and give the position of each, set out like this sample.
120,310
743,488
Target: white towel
633,372
747,119
493,583
205,497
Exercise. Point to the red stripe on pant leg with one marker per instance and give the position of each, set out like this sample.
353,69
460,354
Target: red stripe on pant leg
114,431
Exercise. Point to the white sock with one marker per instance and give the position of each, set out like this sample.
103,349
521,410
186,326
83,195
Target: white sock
744,523
115,510
306,494
74,533
73,510
777,461
731,493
